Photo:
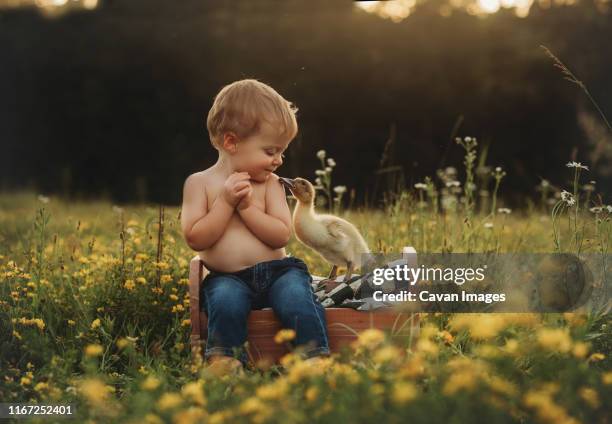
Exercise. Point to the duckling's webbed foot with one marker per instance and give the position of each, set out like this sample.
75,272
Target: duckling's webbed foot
330,282
349,272
333,273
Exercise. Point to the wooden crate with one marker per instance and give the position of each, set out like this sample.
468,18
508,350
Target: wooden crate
343,324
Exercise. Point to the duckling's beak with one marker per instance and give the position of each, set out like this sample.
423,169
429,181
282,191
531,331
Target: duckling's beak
287,182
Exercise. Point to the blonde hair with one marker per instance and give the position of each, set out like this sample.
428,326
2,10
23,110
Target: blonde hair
243,105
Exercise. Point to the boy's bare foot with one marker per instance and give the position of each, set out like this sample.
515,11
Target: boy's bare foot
315,360
223,365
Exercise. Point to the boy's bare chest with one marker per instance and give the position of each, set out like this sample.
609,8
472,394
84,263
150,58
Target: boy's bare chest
215,189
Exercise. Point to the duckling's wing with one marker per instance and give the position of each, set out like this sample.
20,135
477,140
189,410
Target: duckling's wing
334,228
337,233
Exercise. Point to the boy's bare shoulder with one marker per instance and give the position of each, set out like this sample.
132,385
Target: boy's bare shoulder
272,179
274,188
198,178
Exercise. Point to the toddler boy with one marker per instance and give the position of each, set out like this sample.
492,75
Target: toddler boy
235,214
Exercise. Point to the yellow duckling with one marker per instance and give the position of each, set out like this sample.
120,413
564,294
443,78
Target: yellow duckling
335,239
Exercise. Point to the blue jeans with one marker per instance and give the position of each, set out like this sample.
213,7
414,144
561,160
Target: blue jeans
284,285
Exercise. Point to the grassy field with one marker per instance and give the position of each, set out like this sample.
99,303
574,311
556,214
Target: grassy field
94,312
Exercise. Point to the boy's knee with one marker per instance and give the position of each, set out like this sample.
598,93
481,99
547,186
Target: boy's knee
226,300
295,280
225,290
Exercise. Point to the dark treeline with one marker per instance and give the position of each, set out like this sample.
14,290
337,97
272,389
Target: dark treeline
112,102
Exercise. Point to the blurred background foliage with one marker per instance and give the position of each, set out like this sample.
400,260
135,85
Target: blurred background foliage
109,98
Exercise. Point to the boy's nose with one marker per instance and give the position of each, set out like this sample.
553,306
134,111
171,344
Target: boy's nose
278,160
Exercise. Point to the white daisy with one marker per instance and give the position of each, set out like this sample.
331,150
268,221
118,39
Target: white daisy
567,198
576,165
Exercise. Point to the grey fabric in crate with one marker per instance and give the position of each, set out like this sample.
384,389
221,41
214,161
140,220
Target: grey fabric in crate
358,293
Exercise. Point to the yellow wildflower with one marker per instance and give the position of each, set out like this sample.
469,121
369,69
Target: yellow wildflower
369,338
122,343
289,359
41,387
273,391
220,417
590,396
33,322
161,265
446,336
153,419
596,357
71,322
178,308
412,368
284,335
165,278
606,378
464,379
173,297
387,354
129,284
427,346
93,350
511,346
574,319
546,409
191,415
251,405
141,280
186,322
25,381
299,370
95,323
580,350
169,401
195,392
150,383
487,351
428,331
554,339
403,392
501,386
311,394
94,391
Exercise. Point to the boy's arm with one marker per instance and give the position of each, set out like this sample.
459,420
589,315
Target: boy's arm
273,227
202,227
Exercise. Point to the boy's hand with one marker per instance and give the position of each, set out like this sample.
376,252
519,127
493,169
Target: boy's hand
236,187
245,202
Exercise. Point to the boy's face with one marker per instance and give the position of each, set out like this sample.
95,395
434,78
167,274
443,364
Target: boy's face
259,155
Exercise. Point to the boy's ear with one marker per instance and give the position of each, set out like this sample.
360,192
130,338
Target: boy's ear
230,142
